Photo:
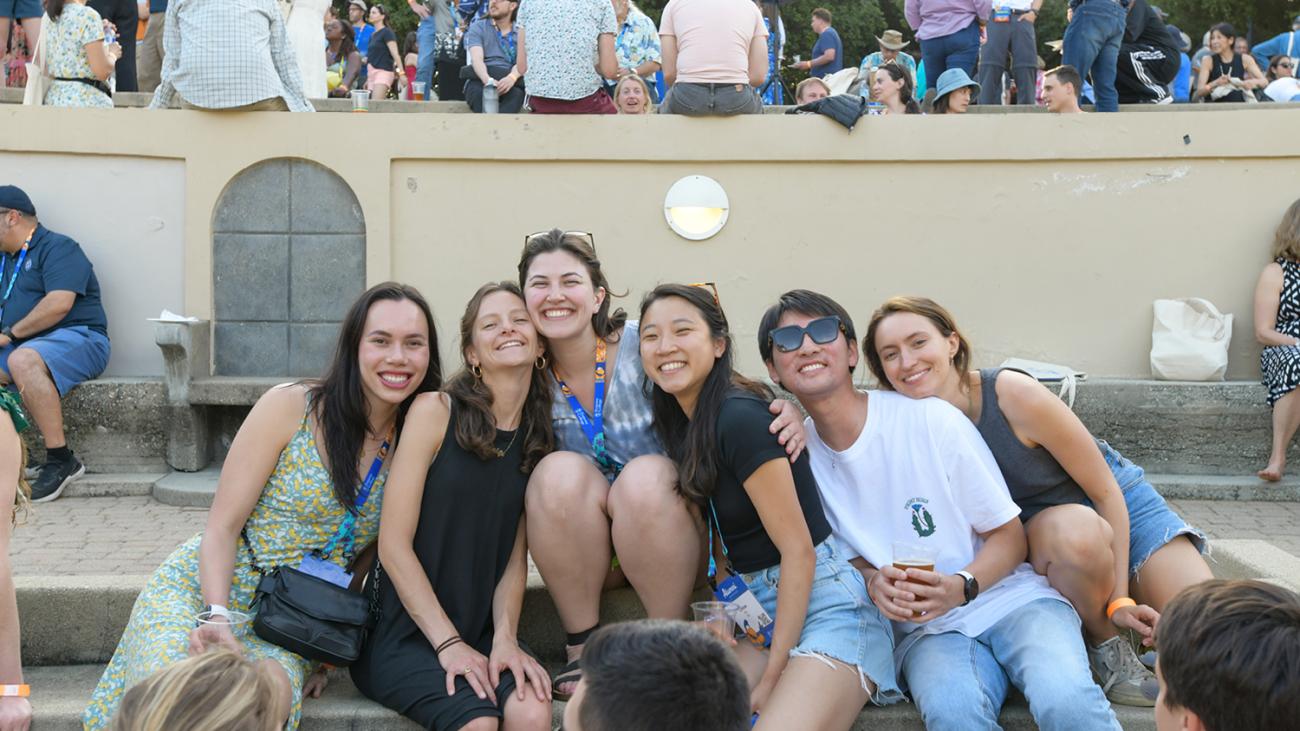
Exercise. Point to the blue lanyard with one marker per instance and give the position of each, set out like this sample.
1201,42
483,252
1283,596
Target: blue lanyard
9,288
713,565
347,530
509,42
593,426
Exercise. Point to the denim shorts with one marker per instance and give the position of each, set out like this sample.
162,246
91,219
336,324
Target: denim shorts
72,355
21,9
842,622
1151,522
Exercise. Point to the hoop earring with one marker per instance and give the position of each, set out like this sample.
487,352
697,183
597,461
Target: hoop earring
477,370
540,363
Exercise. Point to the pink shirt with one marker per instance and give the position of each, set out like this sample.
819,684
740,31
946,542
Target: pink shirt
713,38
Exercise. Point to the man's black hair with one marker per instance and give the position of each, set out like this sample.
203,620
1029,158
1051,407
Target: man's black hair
804,302
659,674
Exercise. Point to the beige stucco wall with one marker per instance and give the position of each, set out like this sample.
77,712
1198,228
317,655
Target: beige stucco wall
1048,236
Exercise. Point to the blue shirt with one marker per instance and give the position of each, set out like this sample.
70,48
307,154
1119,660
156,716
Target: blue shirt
1283,43
54,263
829,38
362,37
483,34
1183,81
157,6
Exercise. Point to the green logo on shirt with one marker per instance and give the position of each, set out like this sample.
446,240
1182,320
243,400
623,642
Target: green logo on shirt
922,521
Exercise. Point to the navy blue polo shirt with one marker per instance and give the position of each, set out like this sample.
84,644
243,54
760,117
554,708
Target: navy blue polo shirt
829,38
54,262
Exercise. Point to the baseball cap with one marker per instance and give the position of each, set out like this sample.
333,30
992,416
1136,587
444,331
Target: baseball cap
13,198
359,3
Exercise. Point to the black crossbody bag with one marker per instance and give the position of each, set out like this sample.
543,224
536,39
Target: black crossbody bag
311,616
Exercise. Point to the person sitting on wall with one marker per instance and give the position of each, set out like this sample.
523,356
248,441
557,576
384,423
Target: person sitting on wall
53,330
810,90
259,72
1230,659
1148,58
493,45
658,674
558,40
714,57
15,709
1061,87
1277,328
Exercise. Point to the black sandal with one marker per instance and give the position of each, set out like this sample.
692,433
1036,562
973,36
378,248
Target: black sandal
572,672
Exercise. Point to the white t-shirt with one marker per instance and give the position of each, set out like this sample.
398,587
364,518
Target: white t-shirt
1283,90
920,473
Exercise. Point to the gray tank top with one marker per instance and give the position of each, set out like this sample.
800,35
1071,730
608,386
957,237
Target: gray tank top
1033,475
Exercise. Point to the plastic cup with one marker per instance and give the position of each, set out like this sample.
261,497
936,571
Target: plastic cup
717,617
360,100
913,556
239,622
417,91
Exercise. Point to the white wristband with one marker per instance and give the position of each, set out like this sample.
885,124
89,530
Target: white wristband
219,610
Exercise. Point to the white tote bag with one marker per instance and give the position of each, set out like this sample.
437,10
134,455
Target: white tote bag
38,81
1189,340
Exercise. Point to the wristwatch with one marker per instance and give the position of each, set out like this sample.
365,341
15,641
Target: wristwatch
9,333
972,587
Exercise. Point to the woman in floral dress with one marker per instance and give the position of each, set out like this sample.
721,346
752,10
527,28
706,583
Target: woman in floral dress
290,478
76,57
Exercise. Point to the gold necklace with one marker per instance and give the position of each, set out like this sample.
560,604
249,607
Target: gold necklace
502,452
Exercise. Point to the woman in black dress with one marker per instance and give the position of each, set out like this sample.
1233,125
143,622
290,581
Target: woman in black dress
1220,69
452,549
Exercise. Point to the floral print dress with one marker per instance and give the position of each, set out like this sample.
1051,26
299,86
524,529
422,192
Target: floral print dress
296,514
65,57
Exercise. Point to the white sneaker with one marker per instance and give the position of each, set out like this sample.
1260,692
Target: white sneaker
1119,672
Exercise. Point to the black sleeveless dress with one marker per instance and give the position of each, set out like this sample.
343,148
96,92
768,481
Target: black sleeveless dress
1234,68
1280,364
468,518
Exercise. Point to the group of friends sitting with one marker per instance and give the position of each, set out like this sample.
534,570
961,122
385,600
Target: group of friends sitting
950,535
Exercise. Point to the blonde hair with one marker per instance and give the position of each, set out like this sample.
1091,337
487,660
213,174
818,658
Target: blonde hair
23,496
634,79
810,81
1286,241
218,690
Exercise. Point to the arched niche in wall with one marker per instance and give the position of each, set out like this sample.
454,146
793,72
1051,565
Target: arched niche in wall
288,257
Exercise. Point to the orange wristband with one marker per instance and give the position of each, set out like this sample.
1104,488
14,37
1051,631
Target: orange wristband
1119,604
15,691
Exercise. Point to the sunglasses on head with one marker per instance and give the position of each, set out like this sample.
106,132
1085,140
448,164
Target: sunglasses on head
823,330
712,288
584,236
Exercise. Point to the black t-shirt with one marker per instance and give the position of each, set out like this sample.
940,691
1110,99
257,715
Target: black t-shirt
744,445
377,55
1145,26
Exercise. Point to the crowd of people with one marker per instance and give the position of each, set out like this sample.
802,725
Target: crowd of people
945,537
573,56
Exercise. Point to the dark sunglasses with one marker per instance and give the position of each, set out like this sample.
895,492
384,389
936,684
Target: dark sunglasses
1284,65
823,330
585,236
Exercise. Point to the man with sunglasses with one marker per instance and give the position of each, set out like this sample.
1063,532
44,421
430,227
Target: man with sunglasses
895,471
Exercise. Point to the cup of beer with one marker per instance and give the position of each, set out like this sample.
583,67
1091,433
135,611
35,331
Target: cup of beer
360,100
417,91
239,622
717,617
913,556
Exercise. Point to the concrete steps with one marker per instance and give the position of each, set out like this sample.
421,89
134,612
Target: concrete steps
60,694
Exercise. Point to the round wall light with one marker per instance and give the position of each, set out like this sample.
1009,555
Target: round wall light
696,207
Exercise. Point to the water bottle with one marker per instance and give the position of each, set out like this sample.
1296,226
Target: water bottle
490,105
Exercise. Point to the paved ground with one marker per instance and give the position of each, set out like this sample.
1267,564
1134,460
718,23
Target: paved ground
132,535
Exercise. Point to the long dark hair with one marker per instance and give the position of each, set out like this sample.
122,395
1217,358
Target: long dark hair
53,8
692,444
348,43
476,428
608,325
338,400
908,92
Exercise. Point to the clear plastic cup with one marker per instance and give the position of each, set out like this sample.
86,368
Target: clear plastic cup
417,91
913,556
240,622
717,617
360,100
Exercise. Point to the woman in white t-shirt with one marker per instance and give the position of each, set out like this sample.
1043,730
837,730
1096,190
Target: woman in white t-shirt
896,470
1097,529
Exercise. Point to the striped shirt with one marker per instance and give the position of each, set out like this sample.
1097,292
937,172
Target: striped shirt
221,54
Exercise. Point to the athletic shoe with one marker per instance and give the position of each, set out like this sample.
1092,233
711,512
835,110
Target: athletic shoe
1119,672
53,477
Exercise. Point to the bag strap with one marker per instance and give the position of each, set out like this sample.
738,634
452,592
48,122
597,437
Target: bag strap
40,44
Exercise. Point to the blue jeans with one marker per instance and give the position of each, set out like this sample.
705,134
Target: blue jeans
958,50
426,37
960,682
1091,46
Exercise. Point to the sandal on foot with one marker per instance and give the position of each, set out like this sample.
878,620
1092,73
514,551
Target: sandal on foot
570,673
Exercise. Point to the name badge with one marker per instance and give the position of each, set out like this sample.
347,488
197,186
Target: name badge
751,618
320,568
1001,15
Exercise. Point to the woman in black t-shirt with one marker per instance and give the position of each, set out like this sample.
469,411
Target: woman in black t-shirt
381,55
830,649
